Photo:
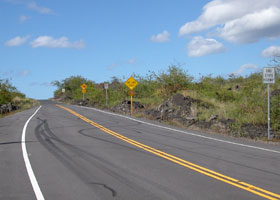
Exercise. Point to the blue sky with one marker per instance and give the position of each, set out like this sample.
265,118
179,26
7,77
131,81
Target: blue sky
42,41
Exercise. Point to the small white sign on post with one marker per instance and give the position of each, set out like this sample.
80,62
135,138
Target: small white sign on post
268,75
268,78
63,90
106,86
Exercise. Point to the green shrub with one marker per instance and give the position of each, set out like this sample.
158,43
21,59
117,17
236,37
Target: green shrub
8,92
174,79
242,99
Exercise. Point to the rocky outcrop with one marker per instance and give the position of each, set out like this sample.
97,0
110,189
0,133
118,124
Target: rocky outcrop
124,107
257,131
6,108
184,110
81,102
178,108
275,92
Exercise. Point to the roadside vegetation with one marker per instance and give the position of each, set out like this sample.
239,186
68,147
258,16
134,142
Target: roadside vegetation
243,100
11,99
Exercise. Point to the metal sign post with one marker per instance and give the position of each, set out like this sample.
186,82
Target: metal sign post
106,86
131,93
131,83
84,86
84,91
106,98
63,92
268,111
269,78
131,105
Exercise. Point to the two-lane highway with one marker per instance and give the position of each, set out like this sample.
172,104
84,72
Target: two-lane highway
83,153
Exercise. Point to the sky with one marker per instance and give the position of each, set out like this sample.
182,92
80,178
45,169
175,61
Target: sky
42,41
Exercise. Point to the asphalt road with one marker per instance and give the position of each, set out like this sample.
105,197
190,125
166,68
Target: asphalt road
85,154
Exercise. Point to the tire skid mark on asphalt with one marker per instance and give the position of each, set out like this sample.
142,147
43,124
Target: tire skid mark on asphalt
56,146
237,183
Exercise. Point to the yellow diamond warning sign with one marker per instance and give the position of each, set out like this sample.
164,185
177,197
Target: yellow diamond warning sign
131,83
83,86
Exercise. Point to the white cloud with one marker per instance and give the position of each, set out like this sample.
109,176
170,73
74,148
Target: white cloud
62,42
113,66
32,6
117,64
23,18
8,73
245,67
17,41
131,61
161,37
253,27
15,73
40,9
16,2
200,46
271,52
34,84
24,73
241,21
45,84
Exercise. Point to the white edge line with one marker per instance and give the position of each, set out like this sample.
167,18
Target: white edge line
30,172
188,133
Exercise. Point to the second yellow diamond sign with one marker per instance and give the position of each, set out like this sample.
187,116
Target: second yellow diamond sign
83,86
131,83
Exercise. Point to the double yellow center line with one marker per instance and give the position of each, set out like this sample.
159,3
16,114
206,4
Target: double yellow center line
242,185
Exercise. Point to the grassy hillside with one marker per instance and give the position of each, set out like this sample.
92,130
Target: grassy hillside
10,95
240,99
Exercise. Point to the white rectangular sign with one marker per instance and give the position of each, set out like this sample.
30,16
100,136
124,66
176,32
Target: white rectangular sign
268,75
106,86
